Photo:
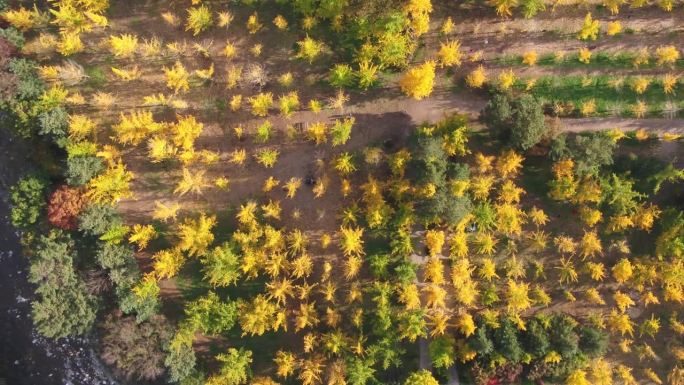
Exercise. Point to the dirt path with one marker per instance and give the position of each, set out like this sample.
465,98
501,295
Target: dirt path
444,102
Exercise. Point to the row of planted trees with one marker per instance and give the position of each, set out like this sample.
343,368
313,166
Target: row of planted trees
355,326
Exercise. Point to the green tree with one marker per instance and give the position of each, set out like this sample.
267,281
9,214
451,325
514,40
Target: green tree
421,377
562,335
592,342
442,352
180,362
54,123
590,151
64,307
341,76
506,341
518,121
360,371
412,324
341,131
536,339
670,241
97,219
27,198
110,255
81,169
387,351
210,315
430,167
531,7
222,266
618,194
481,341
235,368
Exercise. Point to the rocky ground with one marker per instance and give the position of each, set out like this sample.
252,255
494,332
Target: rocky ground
26,358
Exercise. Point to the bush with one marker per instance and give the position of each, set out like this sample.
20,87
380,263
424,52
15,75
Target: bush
181,363
81,169
112,256
210,315
96,219
536,339
65,308
506,341
136,349
144,307
28,200
519,121
12,35
54,123
590,151
341,76
563,338
593,342
64,206
430,166
30,86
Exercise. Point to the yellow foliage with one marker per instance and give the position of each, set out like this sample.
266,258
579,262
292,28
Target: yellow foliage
142,235
195,235
80,126
477,78
667,55
110,186
530,58
127,75
584,55
419,81
590,29
449,53
506,79
177,77
123,45
614,27
199,19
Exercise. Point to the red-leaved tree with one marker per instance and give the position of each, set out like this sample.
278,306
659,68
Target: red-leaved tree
64,206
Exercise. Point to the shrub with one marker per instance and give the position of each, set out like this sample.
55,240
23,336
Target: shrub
563,338
64,205
506,341
590,151
341,76
136,349
430,166
593,342
64,308
111,256
199,20
27,199
12,35
54,122
81,169
519,121
96,219
419,81
181,363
